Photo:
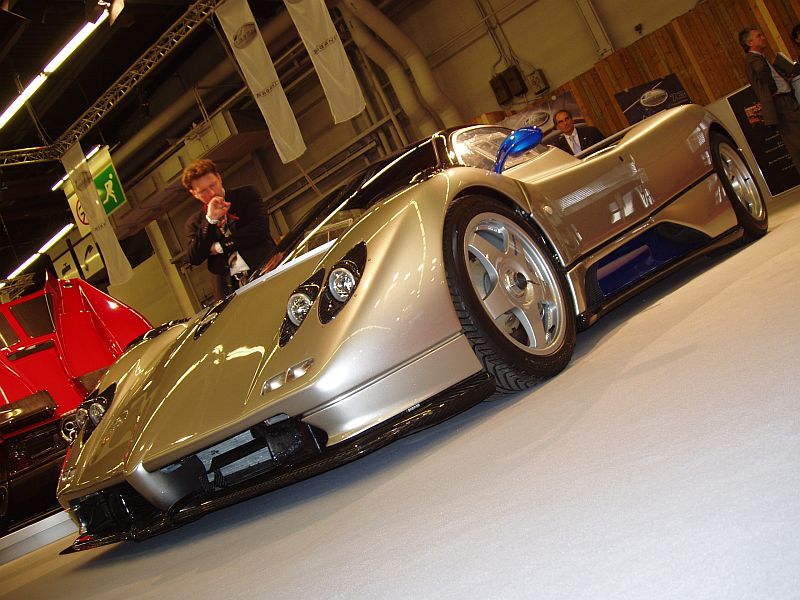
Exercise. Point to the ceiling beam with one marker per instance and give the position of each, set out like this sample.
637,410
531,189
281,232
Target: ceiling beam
194,16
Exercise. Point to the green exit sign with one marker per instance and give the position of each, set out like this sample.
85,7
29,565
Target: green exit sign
109,188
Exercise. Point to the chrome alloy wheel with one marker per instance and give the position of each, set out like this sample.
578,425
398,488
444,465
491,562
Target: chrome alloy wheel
741,180
515,283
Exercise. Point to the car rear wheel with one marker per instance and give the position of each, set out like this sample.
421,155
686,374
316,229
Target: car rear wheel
740,186
508,292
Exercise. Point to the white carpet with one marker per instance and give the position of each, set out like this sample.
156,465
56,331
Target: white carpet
663,463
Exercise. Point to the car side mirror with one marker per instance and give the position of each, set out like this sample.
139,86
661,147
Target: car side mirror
517,142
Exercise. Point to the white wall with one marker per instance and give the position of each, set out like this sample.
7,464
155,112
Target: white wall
149,293
546,34
620,17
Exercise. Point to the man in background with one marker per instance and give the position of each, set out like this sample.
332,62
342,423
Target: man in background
575,139
230,231
779,107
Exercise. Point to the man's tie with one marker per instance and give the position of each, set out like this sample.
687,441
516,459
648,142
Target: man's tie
573,140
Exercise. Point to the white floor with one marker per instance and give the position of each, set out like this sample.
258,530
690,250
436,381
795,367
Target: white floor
663,463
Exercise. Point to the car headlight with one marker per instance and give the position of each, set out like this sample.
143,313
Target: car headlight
298,307
96,412
334,294
341,284
87,416
81,416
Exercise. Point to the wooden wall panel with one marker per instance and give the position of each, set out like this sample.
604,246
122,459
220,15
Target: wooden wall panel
700,47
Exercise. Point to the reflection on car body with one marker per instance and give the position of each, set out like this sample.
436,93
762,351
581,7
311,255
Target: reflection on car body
424,285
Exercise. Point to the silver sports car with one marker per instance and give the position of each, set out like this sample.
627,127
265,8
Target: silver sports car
457,269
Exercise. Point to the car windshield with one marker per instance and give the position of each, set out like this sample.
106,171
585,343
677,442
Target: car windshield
341,208
478,146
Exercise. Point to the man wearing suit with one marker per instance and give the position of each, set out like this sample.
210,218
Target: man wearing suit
575,139
779,107
231,231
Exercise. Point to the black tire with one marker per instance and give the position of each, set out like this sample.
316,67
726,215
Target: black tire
509,293
740,187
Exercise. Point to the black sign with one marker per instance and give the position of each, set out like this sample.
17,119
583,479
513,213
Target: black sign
765,143
647,99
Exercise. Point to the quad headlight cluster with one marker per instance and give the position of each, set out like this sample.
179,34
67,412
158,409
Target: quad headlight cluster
87,416
333,293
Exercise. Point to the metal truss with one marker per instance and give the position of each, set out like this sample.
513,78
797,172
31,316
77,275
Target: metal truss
195,15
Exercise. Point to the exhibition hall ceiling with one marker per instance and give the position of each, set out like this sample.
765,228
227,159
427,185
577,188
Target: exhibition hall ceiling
33,31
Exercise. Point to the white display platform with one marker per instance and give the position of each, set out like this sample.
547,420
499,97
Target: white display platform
35,536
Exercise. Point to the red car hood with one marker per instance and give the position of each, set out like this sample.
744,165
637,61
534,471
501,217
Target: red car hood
59,340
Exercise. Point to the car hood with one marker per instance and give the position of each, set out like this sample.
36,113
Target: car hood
197,381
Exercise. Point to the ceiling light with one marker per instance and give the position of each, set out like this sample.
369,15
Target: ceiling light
48,70
51,242
95,149
47,245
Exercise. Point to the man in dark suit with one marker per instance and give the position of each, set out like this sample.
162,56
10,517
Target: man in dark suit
231,231
575,139
779,107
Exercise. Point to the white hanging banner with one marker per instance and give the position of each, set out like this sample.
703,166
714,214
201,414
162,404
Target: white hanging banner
251,53
117,265
313,22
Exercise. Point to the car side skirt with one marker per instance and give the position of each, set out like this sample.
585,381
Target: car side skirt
595,311
697,221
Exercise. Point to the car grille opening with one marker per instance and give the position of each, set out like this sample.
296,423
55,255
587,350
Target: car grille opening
33,448
277,442
113,510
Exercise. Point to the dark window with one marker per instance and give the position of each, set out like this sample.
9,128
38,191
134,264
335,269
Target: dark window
342,207
388,176
7,335
34,316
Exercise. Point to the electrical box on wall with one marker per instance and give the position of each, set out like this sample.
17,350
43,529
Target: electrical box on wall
538,82
514,80
500,88
511,83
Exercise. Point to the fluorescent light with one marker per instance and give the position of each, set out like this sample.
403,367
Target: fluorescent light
21,99
61,233
23,266
48,70
47,245
95,149
59,183
73,44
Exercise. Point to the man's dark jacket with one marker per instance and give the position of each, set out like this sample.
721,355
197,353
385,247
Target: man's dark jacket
760,76
587,135
781,110
250,237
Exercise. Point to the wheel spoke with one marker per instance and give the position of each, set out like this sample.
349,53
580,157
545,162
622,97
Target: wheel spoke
497,302
486,252
533,323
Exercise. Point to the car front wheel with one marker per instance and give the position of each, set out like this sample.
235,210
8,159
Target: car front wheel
509,293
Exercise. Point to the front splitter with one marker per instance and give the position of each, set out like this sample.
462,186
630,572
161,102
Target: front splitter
441,407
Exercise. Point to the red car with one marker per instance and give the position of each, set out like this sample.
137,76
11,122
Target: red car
55,345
